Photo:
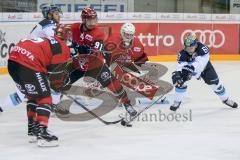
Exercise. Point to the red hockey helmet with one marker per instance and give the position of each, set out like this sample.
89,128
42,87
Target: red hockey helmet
88,13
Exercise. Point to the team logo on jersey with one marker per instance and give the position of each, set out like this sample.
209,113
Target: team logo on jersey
25,52
105,76
82,36
83,63
30,89
89,37
136,49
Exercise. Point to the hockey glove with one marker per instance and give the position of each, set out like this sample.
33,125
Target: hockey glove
177,79
187,72
60,81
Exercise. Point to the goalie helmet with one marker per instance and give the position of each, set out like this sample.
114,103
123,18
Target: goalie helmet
127,33
190,40
49,8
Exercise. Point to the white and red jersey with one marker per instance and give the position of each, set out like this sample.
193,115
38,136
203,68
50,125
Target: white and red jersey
40,54
120,54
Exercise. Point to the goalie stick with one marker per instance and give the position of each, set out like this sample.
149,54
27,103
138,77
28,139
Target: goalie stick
92,113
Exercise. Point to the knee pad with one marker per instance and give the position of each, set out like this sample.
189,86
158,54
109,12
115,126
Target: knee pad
218,89
181,89
105,76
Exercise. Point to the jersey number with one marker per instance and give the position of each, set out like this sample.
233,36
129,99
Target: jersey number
205,49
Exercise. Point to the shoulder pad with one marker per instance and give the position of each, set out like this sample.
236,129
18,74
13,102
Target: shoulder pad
55,46
202,49
46,22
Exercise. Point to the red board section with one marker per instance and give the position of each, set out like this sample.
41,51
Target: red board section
167,38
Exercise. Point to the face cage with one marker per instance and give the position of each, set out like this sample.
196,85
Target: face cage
127,37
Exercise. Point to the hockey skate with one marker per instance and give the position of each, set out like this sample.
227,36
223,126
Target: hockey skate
175,106
230,103
131,111
32,131
45,139
1,110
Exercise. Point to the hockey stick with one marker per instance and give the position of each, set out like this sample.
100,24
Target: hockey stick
92,113
127,122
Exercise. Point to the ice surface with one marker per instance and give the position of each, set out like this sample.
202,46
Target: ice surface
212,133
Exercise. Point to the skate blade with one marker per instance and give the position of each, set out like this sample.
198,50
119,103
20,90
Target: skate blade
32,139
44,143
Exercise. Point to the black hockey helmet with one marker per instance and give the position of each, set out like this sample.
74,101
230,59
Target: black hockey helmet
49,8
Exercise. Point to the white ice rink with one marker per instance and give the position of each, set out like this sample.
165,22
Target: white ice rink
212,133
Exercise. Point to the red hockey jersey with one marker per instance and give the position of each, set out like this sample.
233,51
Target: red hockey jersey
120,54
40,54
88,37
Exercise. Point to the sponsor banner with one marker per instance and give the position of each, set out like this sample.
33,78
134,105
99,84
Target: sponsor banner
167,38
234,17
10,34
142,15
220,17
78,5
170,16
35,16
67,16
157,38
216,36
14,16
113,15
77,16
235,6
197,17
119,16
1,15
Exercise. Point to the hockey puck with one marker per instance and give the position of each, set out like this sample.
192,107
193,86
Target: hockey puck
123,123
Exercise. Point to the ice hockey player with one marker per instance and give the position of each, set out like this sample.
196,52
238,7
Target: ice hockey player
88,42
44,29
193,61
30,64
125,48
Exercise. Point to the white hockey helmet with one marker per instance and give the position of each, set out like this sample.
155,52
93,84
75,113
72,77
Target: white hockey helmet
127,32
